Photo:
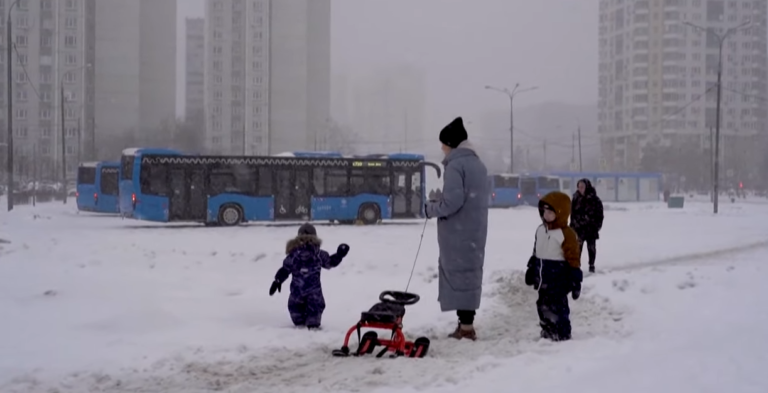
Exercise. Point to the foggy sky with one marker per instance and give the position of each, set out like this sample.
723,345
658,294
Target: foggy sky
463,45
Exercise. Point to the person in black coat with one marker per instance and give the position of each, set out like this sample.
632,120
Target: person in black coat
587,218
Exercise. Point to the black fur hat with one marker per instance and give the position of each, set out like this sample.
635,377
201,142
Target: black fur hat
307,229
454,133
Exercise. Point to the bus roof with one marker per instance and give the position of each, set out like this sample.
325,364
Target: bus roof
89,164
109,164
148,150
333,154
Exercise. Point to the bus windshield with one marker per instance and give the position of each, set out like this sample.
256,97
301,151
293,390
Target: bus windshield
528,186
549,183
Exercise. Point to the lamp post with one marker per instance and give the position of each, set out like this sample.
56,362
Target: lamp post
511,94
9,120
64,130
721,38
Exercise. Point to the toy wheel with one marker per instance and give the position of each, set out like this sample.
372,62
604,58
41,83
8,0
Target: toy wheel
420,348
368,343
341,353
397,297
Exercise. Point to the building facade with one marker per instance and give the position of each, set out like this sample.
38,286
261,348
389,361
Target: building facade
658,80
135,73
267,75
52,54
194,104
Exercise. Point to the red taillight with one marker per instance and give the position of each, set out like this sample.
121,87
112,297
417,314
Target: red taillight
519,196
77,194
133,198
95,196
493,196
538,195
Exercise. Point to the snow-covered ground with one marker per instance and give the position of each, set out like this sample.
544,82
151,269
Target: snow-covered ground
96,303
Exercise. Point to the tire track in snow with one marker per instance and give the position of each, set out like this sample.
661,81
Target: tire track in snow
507,326
694,257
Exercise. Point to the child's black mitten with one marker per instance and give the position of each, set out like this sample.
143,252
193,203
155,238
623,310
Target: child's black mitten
343,250
532,276
577,277
275,287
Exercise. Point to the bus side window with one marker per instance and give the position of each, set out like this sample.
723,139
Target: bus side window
265,181
336,182
221,183
245,179
154,180
357,182
318,181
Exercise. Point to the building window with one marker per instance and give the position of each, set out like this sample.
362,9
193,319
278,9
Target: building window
71,4
21,132
21,58
21,95
70,150
70,77
45,77
71,23
21,40
70,41
71,59
71,113
22,22
46,4
46,131
216,140
24,5
71,132
46,42
45,113
21,114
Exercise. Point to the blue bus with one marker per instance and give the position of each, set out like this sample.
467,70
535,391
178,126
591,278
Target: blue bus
129,171
534,186
97,187
229,190
505,190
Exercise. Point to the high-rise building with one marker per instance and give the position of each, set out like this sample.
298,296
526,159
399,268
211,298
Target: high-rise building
194,105
388,107
267,75
658,79
53,53
135,73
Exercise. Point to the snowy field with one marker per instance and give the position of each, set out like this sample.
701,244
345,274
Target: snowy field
98,304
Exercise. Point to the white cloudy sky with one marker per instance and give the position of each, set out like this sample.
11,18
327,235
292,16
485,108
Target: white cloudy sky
464,45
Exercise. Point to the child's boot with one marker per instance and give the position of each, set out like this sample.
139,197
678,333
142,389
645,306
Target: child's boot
464,331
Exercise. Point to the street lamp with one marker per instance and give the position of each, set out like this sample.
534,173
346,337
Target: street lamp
511,94
64,129
721,38
9,61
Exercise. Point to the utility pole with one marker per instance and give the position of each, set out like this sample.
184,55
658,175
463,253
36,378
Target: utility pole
63,144
712,160
573,150
9,86
581,167
511,94
721,38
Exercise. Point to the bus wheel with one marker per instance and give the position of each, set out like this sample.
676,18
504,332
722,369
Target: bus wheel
368,214
230,215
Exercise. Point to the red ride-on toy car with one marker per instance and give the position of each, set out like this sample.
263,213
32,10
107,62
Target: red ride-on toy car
386,315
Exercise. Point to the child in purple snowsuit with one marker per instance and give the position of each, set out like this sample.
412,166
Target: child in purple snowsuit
303,261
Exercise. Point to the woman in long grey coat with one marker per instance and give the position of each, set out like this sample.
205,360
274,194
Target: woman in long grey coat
462,227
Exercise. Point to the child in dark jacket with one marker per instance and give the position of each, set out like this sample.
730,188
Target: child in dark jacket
303,262
554,269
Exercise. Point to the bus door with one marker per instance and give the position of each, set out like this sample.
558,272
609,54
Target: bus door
403,194
188,199
292,194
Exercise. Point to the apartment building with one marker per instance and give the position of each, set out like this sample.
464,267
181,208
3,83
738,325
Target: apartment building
53,52
267,75
135,73
194,104
658,77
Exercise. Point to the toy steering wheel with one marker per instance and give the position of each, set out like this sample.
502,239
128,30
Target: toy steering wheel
401,298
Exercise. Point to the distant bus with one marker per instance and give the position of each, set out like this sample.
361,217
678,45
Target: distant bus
533,187
98,187
505,190
229,190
